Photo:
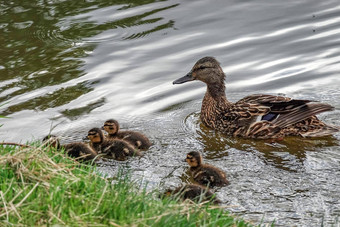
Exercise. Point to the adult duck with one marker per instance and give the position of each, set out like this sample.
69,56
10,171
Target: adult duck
256,116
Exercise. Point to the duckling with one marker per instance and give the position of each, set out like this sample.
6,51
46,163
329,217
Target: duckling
194,192
137,139
256,116
78,150
205,174
115,148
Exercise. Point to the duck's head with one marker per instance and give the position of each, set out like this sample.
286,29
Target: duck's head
207,70
111,126
95,135
51,141
194,159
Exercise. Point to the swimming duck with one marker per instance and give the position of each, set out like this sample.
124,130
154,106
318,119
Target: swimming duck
115,148
205,174
194,192
78,150
137,139
256,116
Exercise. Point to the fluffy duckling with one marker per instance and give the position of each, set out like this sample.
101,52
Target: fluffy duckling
137,139
205,174
78,150
194,192
256,116
115,148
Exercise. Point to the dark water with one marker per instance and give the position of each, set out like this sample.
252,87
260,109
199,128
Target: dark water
67,66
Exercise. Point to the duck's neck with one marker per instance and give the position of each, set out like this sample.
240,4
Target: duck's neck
216,91
214,104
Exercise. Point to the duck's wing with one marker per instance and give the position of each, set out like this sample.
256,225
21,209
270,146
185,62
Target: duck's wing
301,113
277,104
285,111
263,98
243,114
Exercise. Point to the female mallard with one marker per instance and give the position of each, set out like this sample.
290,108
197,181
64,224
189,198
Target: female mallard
194,192
78,150
255,116
205,174
115,148
137,139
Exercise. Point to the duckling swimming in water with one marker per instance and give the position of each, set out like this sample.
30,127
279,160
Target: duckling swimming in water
194,192
137,139
78,150
256,116
205,174
114,148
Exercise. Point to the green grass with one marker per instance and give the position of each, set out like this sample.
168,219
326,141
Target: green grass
44,187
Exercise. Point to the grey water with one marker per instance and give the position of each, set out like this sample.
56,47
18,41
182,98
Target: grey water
67,66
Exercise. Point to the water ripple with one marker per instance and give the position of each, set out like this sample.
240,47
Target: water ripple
67,67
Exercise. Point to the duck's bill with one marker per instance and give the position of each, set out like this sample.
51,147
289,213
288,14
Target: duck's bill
184,79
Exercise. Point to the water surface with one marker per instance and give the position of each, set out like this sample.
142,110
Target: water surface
67,66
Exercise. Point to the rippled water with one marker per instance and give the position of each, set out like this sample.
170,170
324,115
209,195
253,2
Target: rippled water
67,66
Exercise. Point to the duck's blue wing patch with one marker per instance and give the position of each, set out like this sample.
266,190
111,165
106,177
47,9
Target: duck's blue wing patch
269,117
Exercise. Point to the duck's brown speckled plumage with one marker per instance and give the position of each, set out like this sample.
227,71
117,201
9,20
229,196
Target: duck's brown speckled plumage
116,149
255,116
137,139
205,174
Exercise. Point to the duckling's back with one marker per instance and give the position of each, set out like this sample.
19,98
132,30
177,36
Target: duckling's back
118,149
210,175
137,139
80,150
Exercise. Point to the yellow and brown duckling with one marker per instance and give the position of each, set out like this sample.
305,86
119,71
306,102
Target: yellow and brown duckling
256,116
77,150
194,192
205,174
137,139
115,148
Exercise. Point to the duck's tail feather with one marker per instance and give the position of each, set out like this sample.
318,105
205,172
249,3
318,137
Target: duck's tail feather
301,113
327,130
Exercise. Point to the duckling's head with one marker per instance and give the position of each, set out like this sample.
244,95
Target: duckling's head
51,141
207,70
194,159
111,126
95,135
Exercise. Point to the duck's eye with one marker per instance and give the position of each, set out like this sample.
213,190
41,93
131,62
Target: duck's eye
202,67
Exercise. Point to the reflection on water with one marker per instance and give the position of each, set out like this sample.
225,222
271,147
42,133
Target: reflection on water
67,66
45,46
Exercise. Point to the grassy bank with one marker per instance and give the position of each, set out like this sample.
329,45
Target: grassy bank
43,187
